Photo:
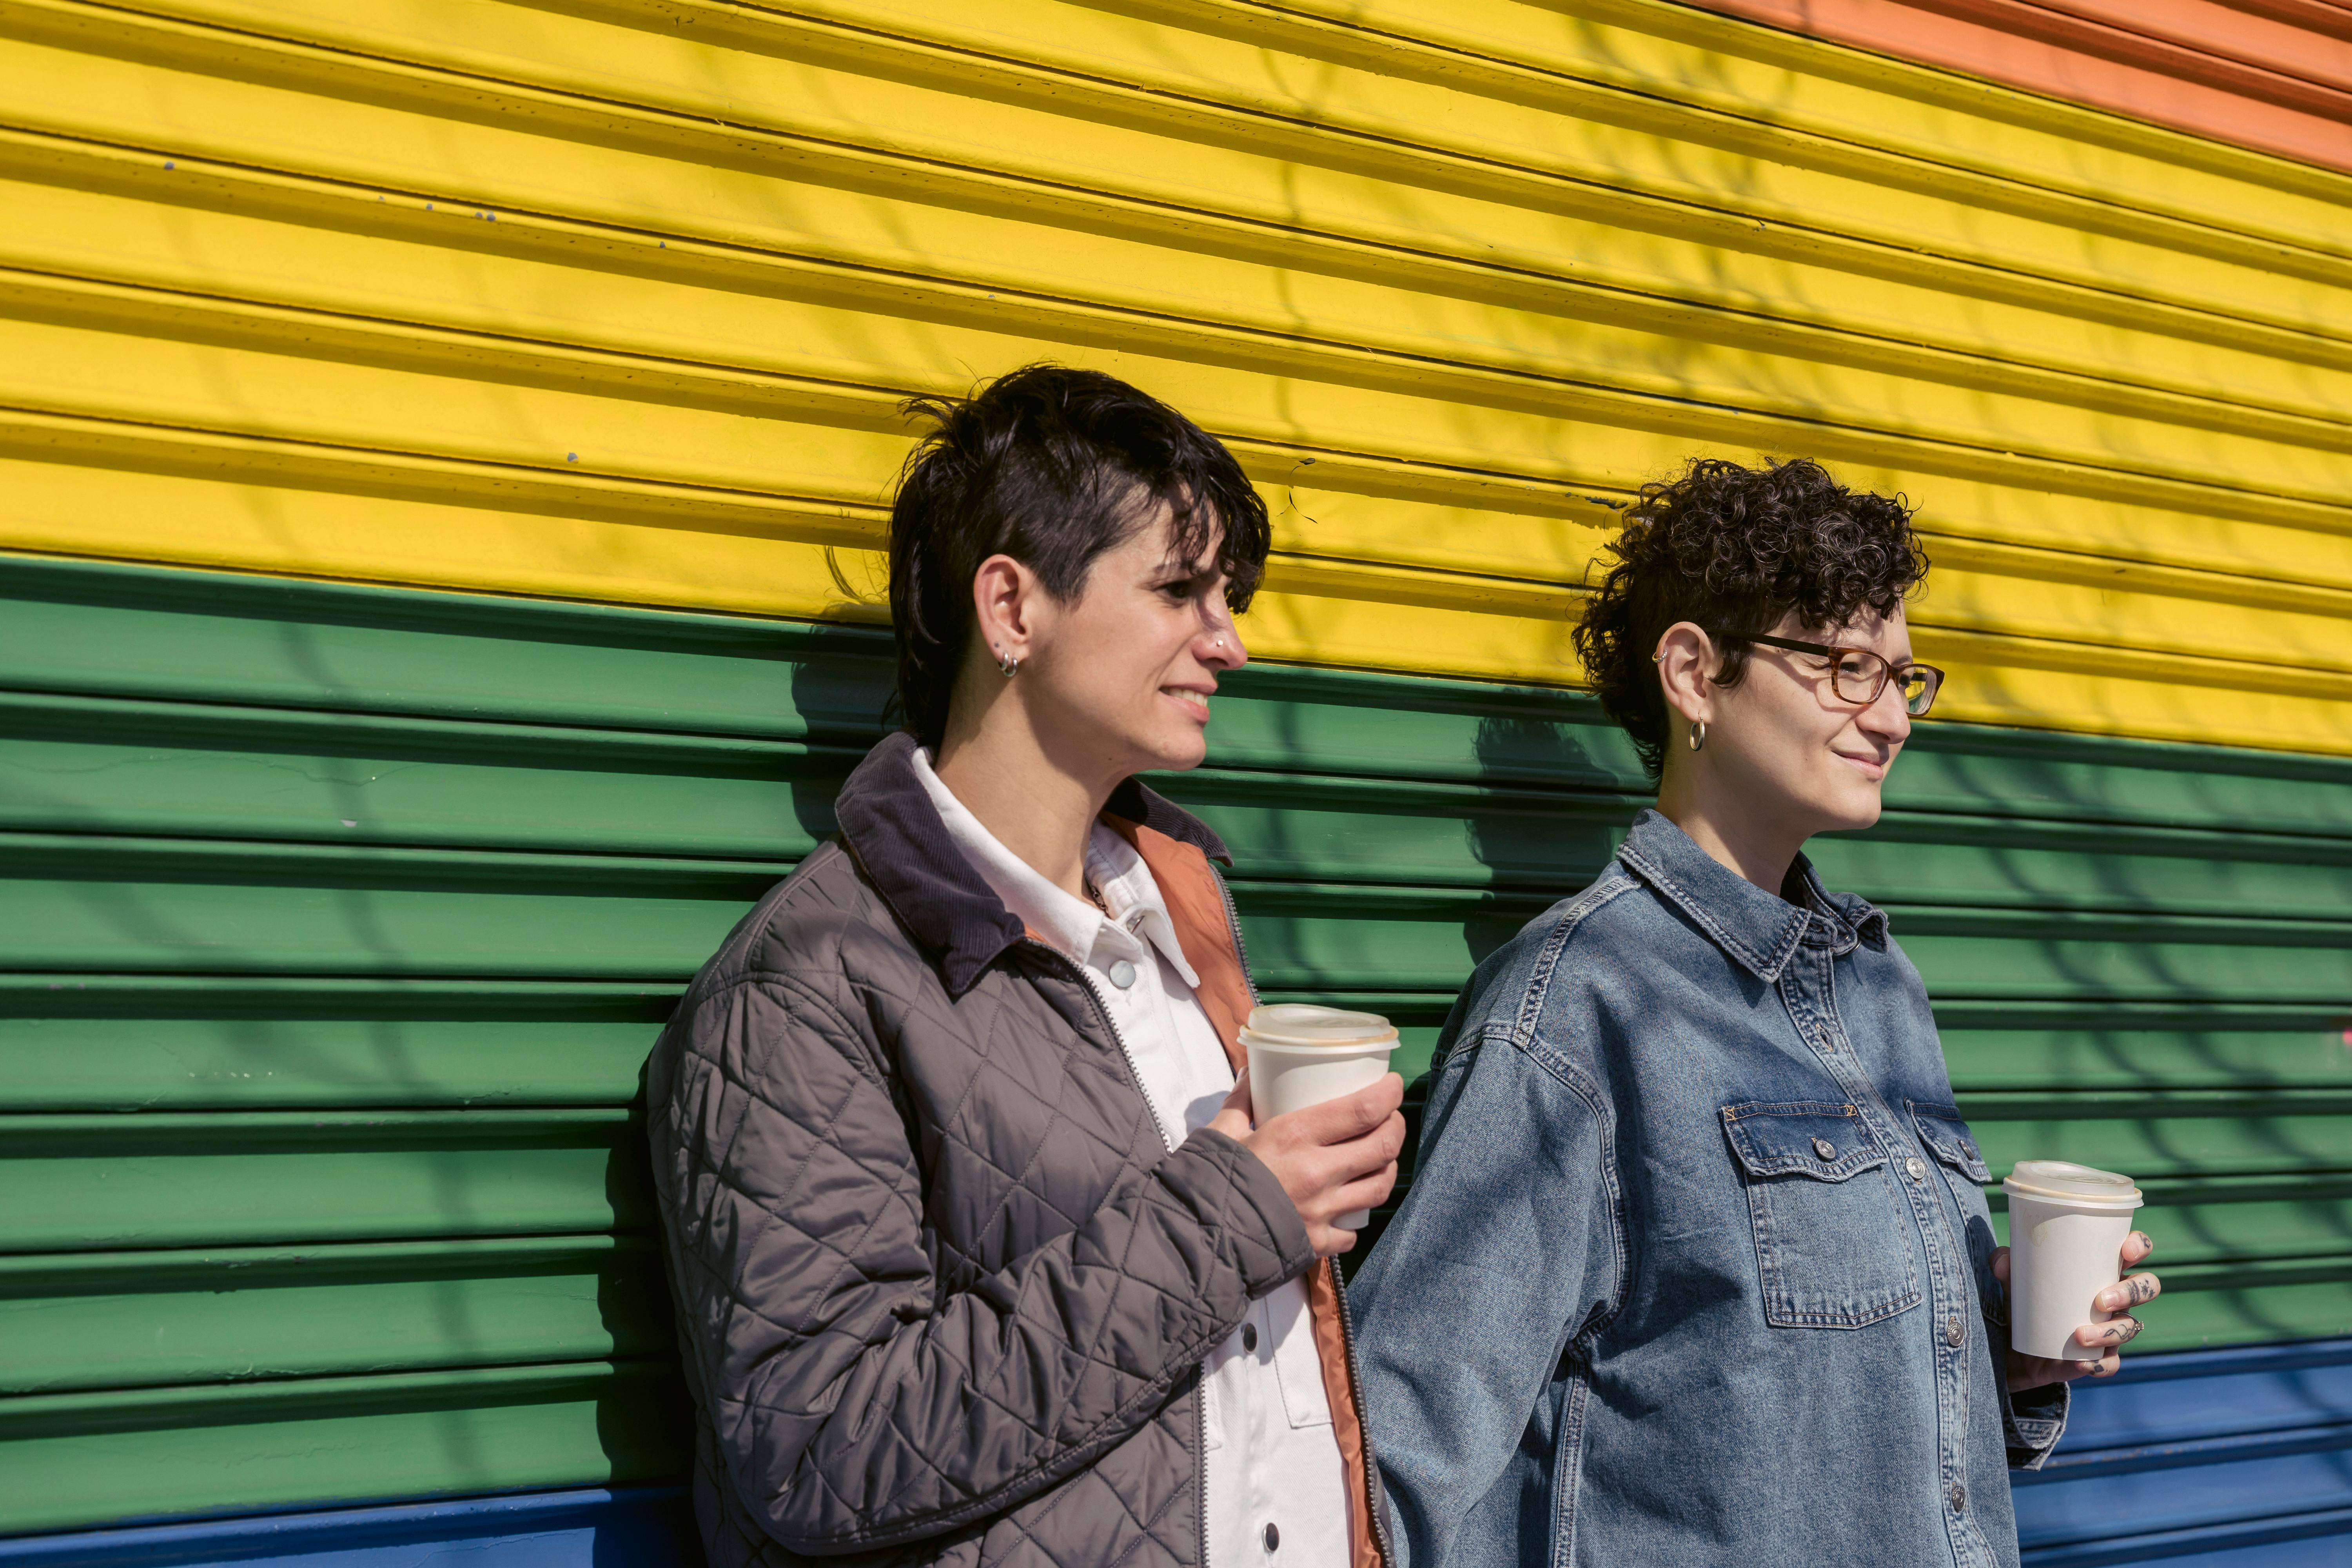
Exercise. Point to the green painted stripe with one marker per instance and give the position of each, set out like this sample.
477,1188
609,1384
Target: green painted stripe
268,1058
71,1460
2102,1053
133,1321
367,904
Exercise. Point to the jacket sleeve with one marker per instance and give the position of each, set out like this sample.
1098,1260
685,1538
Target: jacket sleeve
2031,1420
859,1399
1504,1250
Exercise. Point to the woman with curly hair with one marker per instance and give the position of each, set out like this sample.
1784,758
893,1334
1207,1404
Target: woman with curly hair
1695,1267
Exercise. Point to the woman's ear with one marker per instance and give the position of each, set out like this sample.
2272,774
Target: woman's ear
1004,596
1687,662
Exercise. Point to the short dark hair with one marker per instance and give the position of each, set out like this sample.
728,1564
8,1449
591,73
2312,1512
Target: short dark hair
1052,467
1734,548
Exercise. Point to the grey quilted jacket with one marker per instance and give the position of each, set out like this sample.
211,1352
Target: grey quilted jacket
943,1291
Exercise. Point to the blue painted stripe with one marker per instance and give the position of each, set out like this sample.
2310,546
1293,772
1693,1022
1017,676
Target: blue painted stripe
2187,1396
640,1527
2322,1540
2226,1459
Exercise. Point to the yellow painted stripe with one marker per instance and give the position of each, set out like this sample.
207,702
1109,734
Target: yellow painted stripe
1331,220
621,308
680,356
976,90
525,542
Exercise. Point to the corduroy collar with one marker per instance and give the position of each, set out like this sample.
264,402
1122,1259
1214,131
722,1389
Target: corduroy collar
892,828
1758,930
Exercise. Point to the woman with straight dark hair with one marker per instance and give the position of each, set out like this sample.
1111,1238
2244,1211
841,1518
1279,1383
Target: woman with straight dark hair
977,1254
1696,1267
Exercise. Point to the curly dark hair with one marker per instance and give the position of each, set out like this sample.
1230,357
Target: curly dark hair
1734,548
1052,466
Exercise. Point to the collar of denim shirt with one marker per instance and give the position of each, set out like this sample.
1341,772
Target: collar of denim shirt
1762,931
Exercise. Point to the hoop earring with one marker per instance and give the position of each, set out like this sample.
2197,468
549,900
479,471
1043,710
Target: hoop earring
1698,736
1008,663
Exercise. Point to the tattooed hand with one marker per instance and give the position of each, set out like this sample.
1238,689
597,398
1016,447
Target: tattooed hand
2036,1372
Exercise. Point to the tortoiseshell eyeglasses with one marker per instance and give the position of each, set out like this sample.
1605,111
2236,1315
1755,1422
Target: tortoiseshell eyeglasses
1858,675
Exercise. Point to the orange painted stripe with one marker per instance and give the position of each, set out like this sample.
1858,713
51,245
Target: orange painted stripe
2274,75
2196,40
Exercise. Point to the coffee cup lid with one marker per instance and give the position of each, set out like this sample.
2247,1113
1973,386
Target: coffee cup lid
1304,1024
2069,1183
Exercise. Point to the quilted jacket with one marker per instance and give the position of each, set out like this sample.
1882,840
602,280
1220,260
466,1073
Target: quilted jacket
943,1291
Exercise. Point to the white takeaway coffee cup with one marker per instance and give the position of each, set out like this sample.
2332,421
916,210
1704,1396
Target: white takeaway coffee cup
1301,1055
2067,1229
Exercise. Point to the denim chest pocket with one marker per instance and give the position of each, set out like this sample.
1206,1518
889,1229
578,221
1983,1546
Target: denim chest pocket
1832,1240
1946,1137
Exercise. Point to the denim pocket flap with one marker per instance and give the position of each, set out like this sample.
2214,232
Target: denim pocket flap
1941,1128
1824,1141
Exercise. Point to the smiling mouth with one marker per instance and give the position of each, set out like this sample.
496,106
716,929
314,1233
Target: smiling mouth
1872,767
1196,702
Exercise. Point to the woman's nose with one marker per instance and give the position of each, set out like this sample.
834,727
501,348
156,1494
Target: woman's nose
1224,640
1887,716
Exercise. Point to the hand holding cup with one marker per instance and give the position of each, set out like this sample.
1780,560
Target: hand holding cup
1325,1107
2102,1341
1336,1158
2071,1239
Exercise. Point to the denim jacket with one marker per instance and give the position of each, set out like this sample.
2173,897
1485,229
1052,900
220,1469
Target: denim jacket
1695,1264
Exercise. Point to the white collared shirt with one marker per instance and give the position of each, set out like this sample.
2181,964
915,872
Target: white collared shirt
1273,1459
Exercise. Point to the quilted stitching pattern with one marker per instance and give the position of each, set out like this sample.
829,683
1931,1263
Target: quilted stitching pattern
942,1289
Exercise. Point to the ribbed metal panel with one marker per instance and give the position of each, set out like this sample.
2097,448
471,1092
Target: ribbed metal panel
2273,74
612,299
2224,1458
335,922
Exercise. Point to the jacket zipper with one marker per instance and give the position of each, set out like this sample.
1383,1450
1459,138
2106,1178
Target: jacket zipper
1126,1052
1233,925
1372,1509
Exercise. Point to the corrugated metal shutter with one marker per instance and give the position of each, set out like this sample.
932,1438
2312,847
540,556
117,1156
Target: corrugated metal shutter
613,299
338,919
335,919
2272,74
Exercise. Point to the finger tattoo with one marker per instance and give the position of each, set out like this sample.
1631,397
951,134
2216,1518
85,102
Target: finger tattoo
2143,1288
2121,1331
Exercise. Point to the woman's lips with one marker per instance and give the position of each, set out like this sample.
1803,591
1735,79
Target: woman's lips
1193,702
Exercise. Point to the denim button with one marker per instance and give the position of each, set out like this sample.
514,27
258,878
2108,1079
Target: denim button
1122,973
1955,1331
1249,1335
1960,1497
1825,1149
1273,1536
1916,1168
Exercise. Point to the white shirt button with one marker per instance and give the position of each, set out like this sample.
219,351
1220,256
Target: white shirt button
1121,973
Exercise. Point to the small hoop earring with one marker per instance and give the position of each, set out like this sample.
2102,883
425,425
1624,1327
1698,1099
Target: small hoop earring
1698,736
1009,664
